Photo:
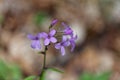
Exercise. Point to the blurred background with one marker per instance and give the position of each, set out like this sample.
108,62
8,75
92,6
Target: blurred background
96,22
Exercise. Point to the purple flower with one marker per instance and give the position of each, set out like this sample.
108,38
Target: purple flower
35,41
72,42
49,37
54,22
67,30
62,45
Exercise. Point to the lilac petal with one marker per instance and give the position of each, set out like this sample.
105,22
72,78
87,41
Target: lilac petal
63,50
46,42
52,32
30,36
54,22
66,43
58,46
36,44
39,35
53,39
74,37
64,38
43,35
68,31
72,45
65,25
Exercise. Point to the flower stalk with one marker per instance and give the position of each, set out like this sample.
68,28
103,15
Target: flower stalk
61,38
44,62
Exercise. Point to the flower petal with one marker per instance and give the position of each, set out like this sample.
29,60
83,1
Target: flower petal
54,22
43,35
30,36
65,25
46,42
72,45
74,37
53,39
68,31
58,46
66,43
63,50
64,38
39,35
52,32
36,44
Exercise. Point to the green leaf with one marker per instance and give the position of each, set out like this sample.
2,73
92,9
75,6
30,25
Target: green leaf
86,76
91,76
39,18
42,76
9,72
103,76
1,18
16,73
44,73
3,69
30,78
56,70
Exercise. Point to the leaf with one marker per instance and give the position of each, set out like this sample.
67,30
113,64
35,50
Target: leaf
30,78
44,72
86,76
56,70
103,76
3,70
9,72
1,18
91,76
39,18
16,73
42,76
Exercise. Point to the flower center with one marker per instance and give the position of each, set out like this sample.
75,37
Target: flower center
36,38
49,36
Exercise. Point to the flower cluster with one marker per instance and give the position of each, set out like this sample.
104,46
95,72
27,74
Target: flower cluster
67,38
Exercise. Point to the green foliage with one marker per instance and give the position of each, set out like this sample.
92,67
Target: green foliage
43,74
1,18
39,18
104,76
89,76
56,70
86,76
30,78
9,72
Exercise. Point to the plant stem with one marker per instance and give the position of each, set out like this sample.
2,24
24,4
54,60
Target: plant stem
44,60
44,63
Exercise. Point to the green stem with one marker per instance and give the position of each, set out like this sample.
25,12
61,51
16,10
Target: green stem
44,63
